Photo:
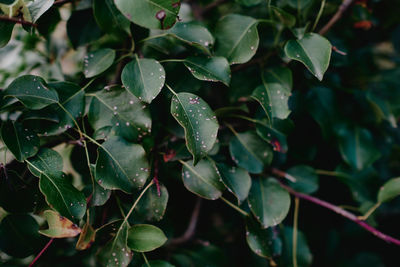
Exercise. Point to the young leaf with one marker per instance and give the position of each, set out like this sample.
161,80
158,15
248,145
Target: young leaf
306,179
389,190
47,161
264,242
237,38
116,107
193,34
98,61
214,69
32,92
273,95
121,165
199,122
203,179
152,206
313,50
237,180
145,237
268,201
59,226
250,152
144,78
152,14
22,142
62,195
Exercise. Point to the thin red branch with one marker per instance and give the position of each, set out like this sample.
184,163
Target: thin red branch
17,20
339,13
41,252
155,178
61,2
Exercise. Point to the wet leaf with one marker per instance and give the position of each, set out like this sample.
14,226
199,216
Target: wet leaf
98,61
214,69
237,180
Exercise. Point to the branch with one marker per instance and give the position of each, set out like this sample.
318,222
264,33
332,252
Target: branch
41,252
339,13
189,233
61,2
344,213
17,20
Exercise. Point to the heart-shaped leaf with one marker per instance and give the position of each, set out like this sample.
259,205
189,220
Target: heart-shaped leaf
32,91
313,50
214,69
47,161
98,61
62,195
59,226
145,237
273,95
193,34
152,206
268,201
203,179
116,107
144,77
250,151
389,190
152,14
237,180
199,122
121,165
21,141
237,38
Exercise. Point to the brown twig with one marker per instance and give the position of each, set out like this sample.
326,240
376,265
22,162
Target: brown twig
17,20
190,231
61,2
339,13
41,252
342,212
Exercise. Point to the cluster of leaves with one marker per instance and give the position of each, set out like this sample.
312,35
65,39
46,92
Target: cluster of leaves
107,103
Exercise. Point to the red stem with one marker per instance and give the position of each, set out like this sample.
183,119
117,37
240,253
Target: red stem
17,20
41,252
345,214
155,179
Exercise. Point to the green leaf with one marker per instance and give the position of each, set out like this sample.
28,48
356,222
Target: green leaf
121,165
115,106
116,253
152,206
203,179
32,91
214,69
86,238
145,237
303,255
152,14
264,242
98,61
6,29
38,7
82,28
249,2
274,94
47,161
313,50
268,201
237,38
389,190
100,195
109,18
306,179
193,34
283,17
19,235
21,141
199,122
237,180
144,78
62,195
357,147
59,226
158,263
250,151
299,4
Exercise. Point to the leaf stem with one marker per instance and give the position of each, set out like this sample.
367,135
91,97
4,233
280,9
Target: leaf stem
295,227
328,173
169,88
369,212
145,260
172,60
321,10
234,206
339,13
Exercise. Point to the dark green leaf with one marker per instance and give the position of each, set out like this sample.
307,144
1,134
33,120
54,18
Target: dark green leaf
283,17
82,28
109,18
98,61
199,122
6,29
193,34
100,195
268,201
303,255
152,206
306,179
214,69
313,50
121,165
145,237
237,38
47,161
203,179
237,180
389,190
144,78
